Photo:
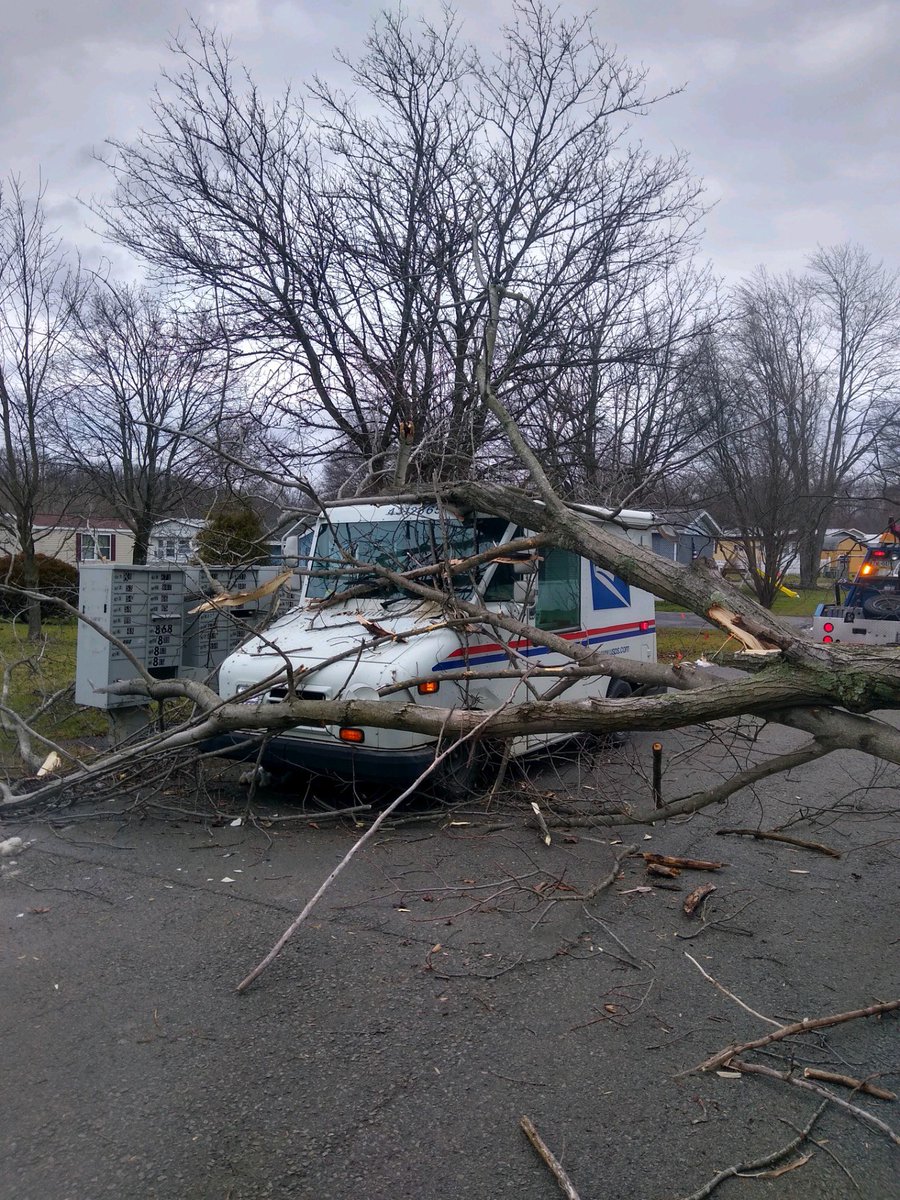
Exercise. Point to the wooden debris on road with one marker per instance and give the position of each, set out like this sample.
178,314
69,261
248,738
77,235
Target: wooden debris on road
684,864
556,1169
770,835
655,868
805,1026
693,901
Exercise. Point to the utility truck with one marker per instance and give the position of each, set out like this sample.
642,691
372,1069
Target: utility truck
869,613
354,633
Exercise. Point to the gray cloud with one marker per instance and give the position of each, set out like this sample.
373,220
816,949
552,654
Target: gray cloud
790,111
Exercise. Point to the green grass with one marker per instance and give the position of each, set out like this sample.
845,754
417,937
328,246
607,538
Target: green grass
689,643
804,605
42,668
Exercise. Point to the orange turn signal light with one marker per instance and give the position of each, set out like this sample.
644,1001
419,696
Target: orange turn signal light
428,688
867,569
346,734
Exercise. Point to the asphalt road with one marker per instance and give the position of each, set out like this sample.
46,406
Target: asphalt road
447,985
689,620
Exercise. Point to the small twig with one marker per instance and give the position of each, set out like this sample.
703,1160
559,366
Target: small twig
772,836
545,832
619,942
605,882
823,1145
720,923
732,996
555,1166
804,1026
786,1077
759,1163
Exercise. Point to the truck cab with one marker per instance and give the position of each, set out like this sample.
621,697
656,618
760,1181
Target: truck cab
355,633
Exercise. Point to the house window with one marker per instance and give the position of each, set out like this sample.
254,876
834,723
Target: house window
94,547
172,549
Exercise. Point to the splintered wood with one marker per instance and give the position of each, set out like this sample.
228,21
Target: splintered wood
682,864
693,901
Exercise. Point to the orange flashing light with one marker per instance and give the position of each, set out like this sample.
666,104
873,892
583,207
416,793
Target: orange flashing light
346,734
866,569
428,688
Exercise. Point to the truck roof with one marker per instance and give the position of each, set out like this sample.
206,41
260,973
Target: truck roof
371,508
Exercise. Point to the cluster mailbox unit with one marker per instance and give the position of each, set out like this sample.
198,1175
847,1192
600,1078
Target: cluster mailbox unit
148,609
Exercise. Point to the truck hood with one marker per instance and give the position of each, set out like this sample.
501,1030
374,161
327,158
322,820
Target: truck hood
309,634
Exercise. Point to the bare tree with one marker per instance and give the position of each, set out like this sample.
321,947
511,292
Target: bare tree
622,420
815,362
759,385
150,386
335,239
858,302
39,297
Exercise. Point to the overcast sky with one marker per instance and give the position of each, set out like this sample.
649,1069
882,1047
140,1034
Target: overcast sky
790,114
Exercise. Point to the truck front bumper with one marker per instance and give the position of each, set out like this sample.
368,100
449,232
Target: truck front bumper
337,759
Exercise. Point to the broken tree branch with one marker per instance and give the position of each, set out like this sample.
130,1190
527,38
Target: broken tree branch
856,1085
556,1169
770,836
682,864
731,996
804,1026
787,1077
758,1164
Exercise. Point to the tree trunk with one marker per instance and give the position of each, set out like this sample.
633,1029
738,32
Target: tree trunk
141,542
809,549
31,580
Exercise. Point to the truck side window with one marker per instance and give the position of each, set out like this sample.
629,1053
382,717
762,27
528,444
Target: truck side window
503,580
559,591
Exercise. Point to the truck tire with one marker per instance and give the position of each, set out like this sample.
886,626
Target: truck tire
883,607
460,776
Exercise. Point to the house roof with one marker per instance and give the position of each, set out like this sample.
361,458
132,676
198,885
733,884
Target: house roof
679,522
834,537
177,525
70,521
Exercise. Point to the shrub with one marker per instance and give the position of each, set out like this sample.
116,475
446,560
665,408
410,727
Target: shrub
233,537
55,577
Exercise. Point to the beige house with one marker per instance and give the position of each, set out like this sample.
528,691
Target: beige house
78,539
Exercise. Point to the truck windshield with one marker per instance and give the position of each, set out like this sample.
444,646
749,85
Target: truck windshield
342,549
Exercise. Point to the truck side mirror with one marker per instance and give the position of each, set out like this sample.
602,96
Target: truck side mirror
524,586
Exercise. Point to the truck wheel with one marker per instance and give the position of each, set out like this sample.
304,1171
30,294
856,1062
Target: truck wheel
460,776
883,607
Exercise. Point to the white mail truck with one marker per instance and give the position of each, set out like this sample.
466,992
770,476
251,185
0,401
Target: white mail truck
379,636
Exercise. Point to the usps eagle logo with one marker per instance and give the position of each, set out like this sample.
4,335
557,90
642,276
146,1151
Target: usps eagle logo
608,590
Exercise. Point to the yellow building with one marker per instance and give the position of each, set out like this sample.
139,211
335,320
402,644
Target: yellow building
843,551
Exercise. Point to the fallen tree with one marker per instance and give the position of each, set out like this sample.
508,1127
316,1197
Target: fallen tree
827,691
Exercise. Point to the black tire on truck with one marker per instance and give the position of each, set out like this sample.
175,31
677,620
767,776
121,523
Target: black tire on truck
882,607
